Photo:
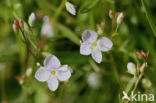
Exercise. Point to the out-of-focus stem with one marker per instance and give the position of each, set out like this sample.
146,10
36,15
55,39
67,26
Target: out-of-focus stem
116,30
130,84
59,10
136,84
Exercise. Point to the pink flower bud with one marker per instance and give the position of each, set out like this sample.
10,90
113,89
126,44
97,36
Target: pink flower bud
16,22
111,14
21,23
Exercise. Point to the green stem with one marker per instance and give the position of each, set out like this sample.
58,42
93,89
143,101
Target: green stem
116,30
59,10
130,84
136,84
149,18
91,20
26,43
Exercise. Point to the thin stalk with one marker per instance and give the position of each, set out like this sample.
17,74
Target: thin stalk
26,43
136,84
59,10
149,18
117,27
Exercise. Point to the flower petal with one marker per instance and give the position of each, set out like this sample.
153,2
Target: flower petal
42,74
63,73
47,29
53,83
52,61
105,44
131,68
85,49
89,36
70,8
97,55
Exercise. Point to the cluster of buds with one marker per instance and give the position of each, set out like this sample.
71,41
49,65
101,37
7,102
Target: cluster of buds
22,78
118,17
142,55
101,26
17,24
140,68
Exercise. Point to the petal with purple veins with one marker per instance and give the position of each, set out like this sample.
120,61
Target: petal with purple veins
42,74
53,83
52,61
89,36
105,44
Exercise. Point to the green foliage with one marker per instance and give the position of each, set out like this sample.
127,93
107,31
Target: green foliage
135,33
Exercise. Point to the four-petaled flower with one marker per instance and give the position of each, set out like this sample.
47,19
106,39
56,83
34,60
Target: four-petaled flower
91,45
52,72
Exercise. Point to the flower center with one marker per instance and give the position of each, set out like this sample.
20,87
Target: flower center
53,72
94,44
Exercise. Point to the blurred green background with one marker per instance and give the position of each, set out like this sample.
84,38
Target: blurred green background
90,82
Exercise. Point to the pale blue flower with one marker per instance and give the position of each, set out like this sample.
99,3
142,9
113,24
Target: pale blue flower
52,72
90,45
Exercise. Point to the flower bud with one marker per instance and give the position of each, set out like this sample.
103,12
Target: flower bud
31,19
38,64
94,80
111,14
21,23
146,83
120,18
70,8
15,28
21,79
28,72
16,22
131,68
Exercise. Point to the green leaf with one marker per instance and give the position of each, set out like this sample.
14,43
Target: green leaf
149,18
87,5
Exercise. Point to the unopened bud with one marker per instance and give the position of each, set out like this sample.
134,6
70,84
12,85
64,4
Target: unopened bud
99,29
139,55
31,19
131,68
15,28
146,83
143,67
143,54
21,23
16,22
70,8
28,72
111,14
120,18
38,64
21,79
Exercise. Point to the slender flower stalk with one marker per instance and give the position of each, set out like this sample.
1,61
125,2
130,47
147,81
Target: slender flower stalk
26,43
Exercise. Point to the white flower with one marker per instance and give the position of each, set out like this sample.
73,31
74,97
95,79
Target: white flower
131,68
46,29
52,72
91,45
94,80
70,8
120,18
31,19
